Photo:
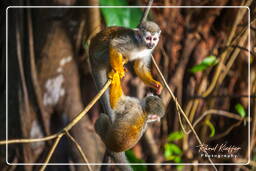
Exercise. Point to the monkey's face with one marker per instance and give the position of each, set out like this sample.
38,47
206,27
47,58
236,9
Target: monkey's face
150,33
150,39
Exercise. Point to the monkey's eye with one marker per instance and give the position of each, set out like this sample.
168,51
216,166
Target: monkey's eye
148,38
154,38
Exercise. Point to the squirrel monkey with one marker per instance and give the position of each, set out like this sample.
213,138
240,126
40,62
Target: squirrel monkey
131,118
114,46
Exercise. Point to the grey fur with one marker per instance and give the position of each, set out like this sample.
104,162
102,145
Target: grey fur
128,42
150,26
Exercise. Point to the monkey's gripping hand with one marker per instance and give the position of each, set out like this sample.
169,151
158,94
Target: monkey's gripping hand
144,73
117,63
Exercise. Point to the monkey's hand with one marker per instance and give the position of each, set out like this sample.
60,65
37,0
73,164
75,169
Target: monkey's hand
145,75
115,88
158,87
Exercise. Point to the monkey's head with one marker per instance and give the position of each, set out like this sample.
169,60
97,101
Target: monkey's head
154,107
149,33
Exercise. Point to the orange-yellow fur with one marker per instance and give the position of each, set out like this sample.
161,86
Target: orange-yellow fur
115,88
145,75
116,62
130,122
128,136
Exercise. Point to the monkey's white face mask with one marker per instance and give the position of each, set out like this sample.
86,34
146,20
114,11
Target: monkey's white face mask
151,39
153,118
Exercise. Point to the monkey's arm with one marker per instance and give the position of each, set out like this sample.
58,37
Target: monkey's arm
144,73
116,61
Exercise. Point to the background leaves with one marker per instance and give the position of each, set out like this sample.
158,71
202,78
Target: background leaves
126,17
206,63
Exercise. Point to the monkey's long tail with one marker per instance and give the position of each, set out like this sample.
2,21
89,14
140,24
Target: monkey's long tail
100,78
87,41
118,158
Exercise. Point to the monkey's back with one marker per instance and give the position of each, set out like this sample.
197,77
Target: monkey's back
99,45
128,127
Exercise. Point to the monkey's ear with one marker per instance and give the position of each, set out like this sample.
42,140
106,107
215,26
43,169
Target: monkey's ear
159,32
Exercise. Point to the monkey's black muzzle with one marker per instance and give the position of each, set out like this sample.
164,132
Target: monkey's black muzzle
150,45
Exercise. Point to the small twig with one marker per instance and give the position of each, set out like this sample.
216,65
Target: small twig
213,112
34,76
22,75
64,131
68,127
232,57
227,131
224,55
222,96
217,112
241,48
79,148
253,121
146,11
88,107
180,109
79,36
56,142
15,141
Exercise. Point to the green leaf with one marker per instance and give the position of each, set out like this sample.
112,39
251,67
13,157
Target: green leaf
113,3
133,159
127,17
180,167
176,149
240,109
175,136
206,63
171,151
177,159
211,126
168,153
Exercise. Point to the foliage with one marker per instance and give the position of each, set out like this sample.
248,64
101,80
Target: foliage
211,126
133,159
175,136
240,109
206,63
127,17
173,151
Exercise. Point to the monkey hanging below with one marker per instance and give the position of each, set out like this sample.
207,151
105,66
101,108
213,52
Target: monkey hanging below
131,118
